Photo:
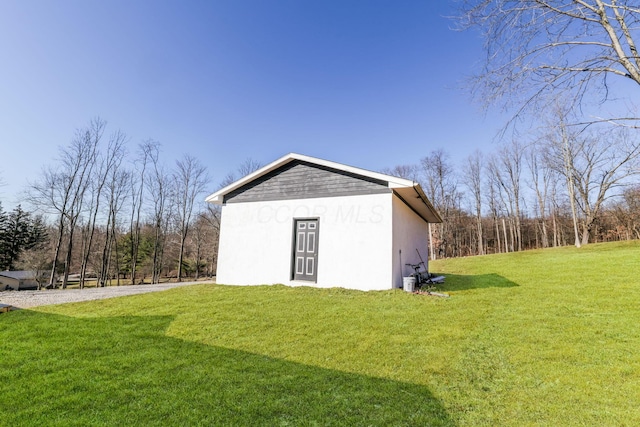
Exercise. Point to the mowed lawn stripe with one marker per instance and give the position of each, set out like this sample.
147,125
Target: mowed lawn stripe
536,338
560,347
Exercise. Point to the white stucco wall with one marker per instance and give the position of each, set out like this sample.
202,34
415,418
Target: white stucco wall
354,241
410,232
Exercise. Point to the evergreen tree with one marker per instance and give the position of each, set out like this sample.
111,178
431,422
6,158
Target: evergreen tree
19,231
3,243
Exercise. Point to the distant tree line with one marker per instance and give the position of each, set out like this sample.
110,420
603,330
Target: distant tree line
567,172
561,186
116,216
103,215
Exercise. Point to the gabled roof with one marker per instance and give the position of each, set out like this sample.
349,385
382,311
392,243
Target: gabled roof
407,190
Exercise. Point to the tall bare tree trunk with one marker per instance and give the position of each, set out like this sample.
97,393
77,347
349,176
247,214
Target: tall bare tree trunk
68,258
190,180
431,251
52,277
504,229
497,229
568,166
145,151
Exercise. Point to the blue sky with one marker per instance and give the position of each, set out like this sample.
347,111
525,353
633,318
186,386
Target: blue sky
368,83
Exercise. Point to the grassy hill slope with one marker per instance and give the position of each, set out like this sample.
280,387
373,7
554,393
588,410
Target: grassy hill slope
535,338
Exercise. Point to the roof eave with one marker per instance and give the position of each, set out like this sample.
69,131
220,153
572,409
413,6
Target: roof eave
415,199
426,201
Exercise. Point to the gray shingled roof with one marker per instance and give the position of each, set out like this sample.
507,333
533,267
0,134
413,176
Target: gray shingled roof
19,275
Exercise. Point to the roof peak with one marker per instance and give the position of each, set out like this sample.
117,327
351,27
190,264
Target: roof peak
393,181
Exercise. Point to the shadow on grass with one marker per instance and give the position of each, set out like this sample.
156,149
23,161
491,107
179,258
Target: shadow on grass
68,371
457,282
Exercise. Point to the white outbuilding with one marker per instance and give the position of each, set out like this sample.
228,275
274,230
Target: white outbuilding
307,221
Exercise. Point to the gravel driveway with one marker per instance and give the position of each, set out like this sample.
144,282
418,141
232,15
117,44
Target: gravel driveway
26,299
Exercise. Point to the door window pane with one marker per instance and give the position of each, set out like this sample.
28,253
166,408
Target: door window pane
311,243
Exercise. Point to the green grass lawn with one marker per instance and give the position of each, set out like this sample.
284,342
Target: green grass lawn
535,338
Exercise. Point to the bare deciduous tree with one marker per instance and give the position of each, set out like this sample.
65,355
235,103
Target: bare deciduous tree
248,166
245,168
190,179
561,157
595,164
158,186
537,48
473,180
411,172
88,188
61,189
106,165
138,182
441,186
495,207
540,183
117,187
506,170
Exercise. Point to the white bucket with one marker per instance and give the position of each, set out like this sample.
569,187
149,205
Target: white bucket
408,283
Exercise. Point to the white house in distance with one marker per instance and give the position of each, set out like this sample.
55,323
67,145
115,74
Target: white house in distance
16,280
306,221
